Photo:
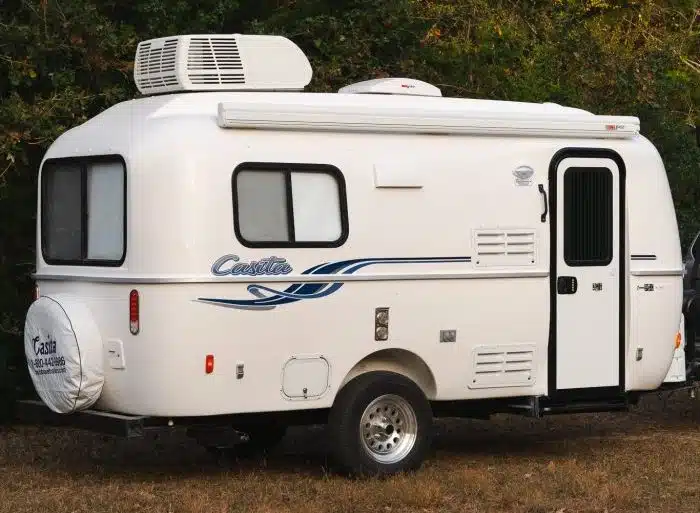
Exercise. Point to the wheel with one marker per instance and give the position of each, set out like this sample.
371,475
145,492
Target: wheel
380,424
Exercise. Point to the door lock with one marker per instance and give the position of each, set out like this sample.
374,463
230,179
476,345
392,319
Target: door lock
567,285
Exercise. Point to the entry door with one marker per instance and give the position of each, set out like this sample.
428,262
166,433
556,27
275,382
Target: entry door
587,287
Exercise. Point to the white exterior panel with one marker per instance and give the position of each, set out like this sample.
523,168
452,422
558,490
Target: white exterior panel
413,249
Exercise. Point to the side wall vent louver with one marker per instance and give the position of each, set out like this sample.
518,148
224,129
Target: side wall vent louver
495,248
503,366
220,62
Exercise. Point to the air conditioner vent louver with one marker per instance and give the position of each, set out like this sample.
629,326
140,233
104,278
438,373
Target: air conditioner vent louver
214,61
155,65
220,62
215,79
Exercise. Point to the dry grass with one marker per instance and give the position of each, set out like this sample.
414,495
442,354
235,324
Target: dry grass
644,461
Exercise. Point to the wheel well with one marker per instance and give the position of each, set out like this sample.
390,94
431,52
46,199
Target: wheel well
401,362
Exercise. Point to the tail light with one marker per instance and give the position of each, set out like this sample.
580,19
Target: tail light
134,312
36,292
209,364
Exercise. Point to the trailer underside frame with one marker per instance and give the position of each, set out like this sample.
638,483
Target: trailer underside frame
35,412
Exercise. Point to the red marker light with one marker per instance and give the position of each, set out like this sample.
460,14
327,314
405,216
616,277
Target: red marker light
209,364
134,324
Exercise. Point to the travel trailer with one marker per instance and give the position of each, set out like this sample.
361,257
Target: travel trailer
229,250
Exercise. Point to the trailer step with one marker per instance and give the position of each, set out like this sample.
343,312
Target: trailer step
585,407
541,406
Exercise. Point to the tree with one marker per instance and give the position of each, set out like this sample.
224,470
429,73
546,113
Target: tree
64,61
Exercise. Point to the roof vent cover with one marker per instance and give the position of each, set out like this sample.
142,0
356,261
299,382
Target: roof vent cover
220,62
403,86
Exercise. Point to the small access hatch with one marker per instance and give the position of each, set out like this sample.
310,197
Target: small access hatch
115,354
305,377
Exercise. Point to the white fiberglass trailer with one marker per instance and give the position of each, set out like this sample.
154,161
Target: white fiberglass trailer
229,249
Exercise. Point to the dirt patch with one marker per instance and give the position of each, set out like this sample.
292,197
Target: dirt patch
644,460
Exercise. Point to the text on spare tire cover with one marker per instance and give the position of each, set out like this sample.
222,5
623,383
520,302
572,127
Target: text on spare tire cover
46,361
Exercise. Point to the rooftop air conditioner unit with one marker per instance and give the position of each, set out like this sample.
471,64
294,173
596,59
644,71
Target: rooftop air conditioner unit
232,62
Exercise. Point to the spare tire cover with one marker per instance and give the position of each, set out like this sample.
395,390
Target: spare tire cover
64,353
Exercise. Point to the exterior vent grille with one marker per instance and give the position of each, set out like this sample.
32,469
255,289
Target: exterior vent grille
504,248
214,60
155,65
503,366
201,78
233,62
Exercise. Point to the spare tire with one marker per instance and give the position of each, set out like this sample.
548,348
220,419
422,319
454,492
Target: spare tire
63,347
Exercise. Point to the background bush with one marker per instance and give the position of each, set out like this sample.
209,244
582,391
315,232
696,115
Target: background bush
63,61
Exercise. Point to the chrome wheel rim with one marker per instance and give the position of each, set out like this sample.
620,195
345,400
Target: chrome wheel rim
388,429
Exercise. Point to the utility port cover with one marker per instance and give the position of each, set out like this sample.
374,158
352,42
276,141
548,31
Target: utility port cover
305,377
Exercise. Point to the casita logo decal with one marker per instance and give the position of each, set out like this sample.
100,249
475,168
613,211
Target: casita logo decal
230,265
46,360
267,298
44,348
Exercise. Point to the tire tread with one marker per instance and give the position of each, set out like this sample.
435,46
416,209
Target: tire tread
344,422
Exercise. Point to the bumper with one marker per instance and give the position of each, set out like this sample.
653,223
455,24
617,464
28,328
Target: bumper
128,426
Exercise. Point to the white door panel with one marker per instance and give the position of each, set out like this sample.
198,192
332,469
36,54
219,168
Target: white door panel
588,274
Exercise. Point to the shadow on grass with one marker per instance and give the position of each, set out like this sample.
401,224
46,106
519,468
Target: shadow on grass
304,451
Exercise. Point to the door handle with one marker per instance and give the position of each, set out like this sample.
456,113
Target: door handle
546,203
567,285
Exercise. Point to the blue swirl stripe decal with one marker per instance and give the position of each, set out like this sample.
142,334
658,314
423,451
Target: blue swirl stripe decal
266,298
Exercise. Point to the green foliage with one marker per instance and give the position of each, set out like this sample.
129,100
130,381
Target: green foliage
62,62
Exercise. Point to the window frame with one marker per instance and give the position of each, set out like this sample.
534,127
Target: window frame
610,241
287,168
82,162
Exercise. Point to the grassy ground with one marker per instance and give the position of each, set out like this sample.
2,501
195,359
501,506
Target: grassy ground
644,461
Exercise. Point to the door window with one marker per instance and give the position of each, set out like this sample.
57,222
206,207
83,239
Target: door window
588,216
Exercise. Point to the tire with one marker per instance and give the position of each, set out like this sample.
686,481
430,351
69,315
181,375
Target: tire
397,440
64,353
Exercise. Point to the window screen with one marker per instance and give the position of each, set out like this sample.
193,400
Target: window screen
289,206
62,215
83,211
588,216
262,206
